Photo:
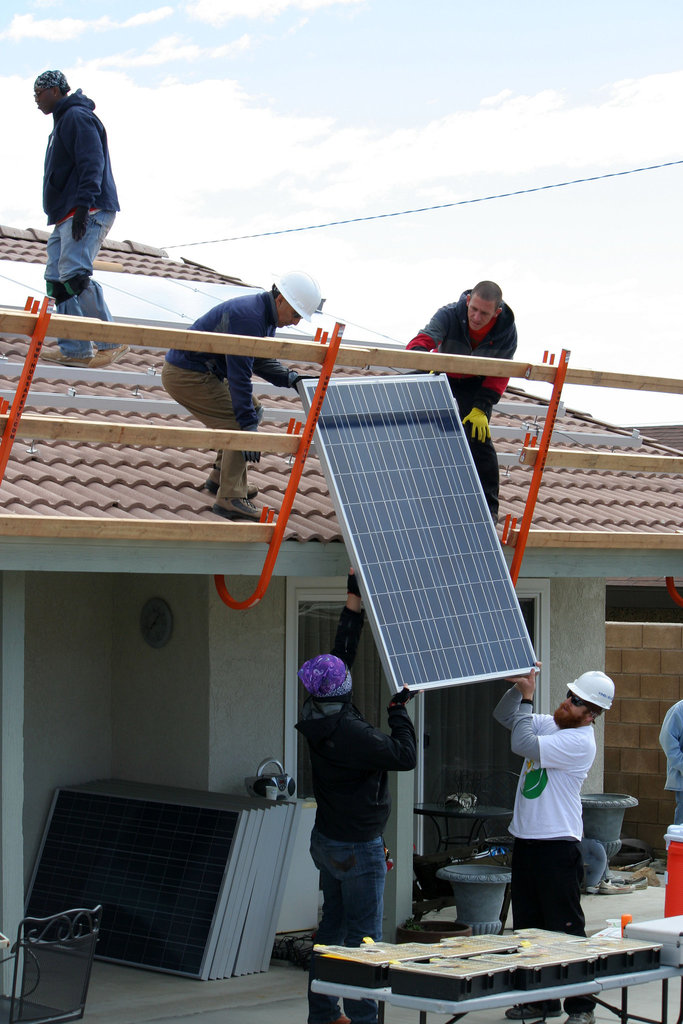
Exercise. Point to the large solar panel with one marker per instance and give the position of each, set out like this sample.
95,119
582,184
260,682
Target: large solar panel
419,534
179,874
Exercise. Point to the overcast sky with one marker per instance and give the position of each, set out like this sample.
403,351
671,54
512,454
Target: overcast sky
237,117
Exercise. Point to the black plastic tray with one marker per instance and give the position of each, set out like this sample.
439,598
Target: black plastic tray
545,967
626,962
349,972
460,980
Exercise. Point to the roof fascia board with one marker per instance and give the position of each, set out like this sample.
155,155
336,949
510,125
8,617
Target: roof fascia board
599,564
75,554
33,554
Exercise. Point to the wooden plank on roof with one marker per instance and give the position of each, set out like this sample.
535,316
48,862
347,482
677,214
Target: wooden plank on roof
91,527
622,461
81,328
610,541
61,428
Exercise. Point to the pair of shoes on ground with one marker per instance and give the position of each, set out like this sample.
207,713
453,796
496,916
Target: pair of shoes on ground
532,1011
341,1019
237,508
609,888
211,485
103,357
538,1011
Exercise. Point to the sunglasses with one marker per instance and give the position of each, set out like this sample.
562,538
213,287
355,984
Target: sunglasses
578,703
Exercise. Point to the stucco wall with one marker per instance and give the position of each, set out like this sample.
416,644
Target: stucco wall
68,653
577,642
247,684
160,696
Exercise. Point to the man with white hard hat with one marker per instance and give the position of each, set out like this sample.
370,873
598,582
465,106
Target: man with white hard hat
547,823
217,388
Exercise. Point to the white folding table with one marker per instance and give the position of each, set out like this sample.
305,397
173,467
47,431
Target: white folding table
459,1007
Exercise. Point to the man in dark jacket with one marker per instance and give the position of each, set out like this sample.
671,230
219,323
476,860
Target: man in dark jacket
350,761
478,324
217,388
79,198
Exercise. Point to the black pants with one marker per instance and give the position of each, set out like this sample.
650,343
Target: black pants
483,452
546,893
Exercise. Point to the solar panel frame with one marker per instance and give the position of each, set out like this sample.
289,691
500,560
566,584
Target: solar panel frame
177,871
434,580
156,867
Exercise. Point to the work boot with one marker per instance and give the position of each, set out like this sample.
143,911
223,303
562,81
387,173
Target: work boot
237,508
214,479
105,356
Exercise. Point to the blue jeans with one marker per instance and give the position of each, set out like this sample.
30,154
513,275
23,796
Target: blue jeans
678,813
352,878
67,258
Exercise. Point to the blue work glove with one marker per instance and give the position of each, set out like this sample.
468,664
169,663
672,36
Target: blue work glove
79,223
480,424
252,456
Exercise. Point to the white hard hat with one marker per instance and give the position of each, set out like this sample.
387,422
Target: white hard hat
595,687
301,291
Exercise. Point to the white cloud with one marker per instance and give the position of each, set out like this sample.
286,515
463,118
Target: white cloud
147,17
167,51
217,12
25,26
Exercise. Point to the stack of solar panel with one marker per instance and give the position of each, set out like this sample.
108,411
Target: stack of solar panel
191,883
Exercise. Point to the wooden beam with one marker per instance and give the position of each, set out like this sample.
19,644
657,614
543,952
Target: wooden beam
116,268
608,541
59,428
87,527
81,328
622,461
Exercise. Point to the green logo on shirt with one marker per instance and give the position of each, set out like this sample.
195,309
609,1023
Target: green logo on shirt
535,781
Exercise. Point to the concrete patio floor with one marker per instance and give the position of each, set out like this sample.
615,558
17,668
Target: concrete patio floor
122,995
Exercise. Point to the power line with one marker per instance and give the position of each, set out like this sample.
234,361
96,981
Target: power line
427,209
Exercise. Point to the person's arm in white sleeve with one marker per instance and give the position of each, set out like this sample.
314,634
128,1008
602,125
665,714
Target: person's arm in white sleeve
516,716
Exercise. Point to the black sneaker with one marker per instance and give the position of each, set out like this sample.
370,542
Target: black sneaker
237,508
533,1011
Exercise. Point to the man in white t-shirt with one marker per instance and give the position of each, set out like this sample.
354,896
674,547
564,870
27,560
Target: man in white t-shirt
547,867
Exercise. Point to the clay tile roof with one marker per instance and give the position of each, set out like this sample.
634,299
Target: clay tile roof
28,246
670,434
112,482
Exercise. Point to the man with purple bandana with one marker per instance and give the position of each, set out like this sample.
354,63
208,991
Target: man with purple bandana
350,759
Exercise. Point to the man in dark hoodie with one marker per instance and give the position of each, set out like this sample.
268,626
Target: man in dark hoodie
478,324
350,761
80,199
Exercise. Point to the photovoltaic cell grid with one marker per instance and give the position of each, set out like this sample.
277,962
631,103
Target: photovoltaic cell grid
156,868
180,874
438,592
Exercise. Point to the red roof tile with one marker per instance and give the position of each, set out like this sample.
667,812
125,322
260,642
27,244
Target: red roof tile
113,482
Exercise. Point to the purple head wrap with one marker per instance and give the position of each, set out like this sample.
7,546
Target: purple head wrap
50,78
325,676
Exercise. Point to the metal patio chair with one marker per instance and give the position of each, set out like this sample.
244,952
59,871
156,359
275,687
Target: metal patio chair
52,963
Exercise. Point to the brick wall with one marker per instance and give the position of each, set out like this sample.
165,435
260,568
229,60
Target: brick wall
645,660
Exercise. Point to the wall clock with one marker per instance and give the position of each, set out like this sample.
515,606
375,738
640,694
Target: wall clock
156,622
